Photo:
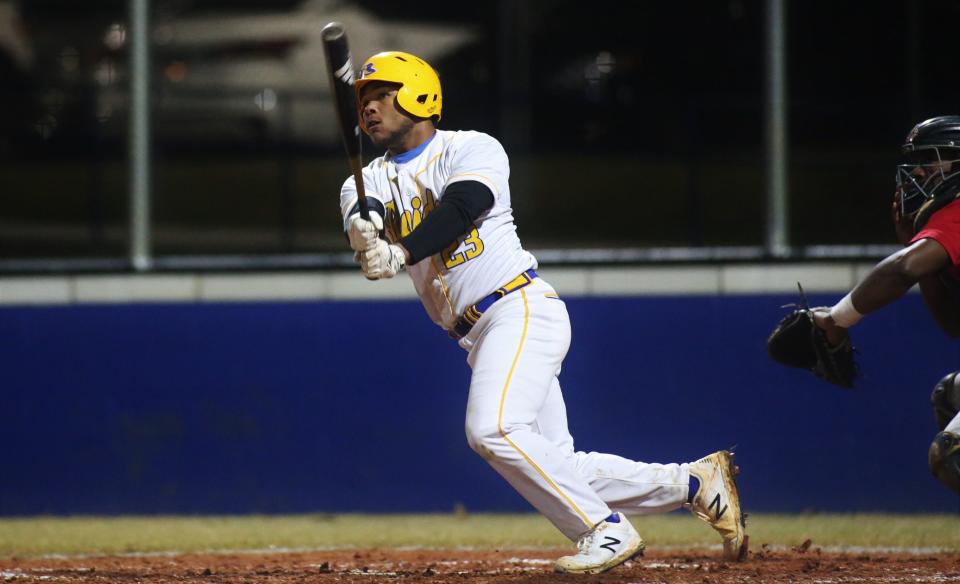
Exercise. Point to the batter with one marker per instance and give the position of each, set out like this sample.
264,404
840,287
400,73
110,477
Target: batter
440,209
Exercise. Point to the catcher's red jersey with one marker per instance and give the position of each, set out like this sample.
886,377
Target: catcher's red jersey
944,228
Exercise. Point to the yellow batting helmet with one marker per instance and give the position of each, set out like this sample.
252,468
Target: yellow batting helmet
419,93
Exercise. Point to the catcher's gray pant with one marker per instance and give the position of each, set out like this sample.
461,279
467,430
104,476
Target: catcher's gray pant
944,454
516,419
945,400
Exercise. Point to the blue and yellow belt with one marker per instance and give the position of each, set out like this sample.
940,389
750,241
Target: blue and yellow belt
472,315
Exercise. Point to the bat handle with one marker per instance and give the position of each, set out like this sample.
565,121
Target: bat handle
362,202
355,166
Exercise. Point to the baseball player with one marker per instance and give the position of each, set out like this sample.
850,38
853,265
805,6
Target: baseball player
926,217
441,200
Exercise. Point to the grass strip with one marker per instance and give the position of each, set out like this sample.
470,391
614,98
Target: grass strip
35,536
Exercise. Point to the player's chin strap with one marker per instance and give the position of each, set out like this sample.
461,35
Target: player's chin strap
943,194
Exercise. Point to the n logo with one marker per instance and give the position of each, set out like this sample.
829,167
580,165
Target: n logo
611,541
716,503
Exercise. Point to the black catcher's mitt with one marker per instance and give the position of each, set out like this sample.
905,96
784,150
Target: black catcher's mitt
798,342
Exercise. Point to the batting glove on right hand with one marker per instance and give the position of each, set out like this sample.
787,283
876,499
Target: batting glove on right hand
382,260
362,233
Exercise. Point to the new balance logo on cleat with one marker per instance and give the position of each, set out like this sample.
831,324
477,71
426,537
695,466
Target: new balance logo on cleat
615,536
716,503
611,541
715,474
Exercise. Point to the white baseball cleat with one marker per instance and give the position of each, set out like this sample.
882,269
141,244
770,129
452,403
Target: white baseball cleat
610,543
718,503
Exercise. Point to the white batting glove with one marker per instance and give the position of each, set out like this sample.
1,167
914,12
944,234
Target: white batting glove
362,233
382,260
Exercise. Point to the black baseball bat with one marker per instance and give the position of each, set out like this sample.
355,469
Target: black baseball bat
341,75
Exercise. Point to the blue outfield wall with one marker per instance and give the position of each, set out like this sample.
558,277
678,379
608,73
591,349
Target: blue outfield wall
358,406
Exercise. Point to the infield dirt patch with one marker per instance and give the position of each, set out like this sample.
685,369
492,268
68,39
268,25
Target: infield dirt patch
800,565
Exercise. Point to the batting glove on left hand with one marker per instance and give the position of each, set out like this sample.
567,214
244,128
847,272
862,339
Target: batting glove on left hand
362,233
381,260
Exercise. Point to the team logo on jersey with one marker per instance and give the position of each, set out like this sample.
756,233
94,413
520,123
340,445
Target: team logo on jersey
399,224
420,206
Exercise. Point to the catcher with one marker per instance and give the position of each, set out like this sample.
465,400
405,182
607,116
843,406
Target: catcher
926,217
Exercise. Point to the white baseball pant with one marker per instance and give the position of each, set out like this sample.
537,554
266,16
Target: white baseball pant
516,419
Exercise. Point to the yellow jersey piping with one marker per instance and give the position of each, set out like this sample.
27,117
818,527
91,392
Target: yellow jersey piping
426,166
443,285
485,178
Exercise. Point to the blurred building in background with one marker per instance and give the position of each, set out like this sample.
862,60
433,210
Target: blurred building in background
242,76
626,128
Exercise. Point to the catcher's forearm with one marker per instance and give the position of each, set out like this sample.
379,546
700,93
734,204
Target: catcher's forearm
888,281
896,274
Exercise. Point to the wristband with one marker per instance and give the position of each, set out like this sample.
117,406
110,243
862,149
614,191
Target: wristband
844,314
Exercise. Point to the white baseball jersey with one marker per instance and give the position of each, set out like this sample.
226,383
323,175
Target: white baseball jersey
479,262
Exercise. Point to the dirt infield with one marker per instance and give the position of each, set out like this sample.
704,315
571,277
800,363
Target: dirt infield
799,565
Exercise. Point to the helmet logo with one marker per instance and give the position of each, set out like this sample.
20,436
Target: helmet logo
913,133
368,69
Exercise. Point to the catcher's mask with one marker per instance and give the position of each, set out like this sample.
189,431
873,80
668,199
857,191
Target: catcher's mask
419,93
931,145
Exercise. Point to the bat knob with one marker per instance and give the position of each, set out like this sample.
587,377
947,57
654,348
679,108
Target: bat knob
332,31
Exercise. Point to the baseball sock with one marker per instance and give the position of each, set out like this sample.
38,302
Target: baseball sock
694,487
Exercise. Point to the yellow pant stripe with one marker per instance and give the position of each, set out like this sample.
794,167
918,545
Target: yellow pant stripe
503,397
